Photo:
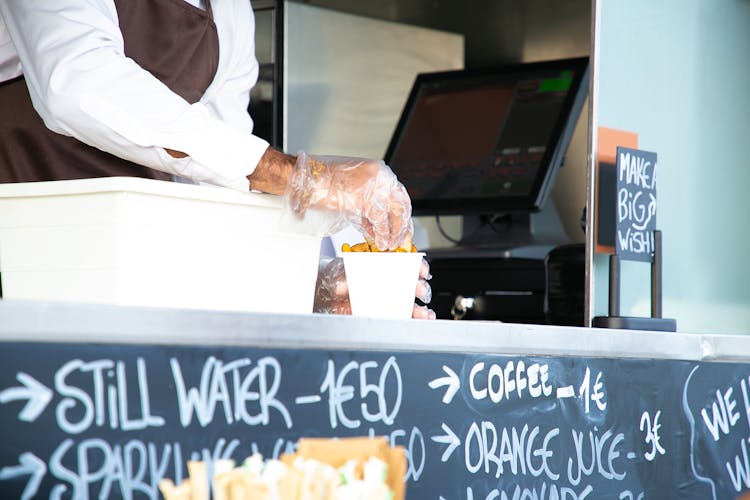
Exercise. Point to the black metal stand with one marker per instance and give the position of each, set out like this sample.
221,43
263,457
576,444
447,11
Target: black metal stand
655,322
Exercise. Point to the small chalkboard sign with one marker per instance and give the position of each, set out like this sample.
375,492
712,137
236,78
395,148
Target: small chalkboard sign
636,204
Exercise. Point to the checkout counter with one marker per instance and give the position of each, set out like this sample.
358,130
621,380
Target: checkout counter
99,400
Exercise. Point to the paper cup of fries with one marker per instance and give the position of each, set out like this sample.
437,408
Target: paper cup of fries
382,284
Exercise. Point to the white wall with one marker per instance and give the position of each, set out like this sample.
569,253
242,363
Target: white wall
677,72
348,77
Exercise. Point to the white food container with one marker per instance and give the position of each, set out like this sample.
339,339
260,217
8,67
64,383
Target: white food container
382,284
133,241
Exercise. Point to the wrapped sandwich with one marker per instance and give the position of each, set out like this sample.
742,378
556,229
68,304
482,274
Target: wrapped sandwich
320,469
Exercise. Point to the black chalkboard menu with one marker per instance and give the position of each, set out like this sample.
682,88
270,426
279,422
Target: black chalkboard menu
109,421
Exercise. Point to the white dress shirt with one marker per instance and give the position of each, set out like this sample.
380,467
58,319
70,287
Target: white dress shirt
82,85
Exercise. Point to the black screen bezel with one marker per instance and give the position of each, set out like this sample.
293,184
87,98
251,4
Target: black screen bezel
553,157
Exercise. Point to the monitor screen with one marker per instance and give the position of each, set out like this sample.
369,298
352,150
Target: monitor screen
487,141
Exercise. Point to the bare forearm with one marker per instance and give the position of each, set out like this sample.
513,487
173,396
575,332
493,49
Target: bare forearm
271,175
273,172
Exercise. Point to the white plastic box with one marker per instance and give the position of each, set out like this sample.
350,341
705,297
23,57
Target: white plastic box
132,241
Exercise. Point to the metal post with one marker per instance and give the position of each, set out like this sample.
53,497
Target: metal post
614,285
656,267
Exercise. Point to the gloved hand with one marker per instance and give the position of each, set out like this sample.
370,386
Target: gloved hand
364,193
424,293
332,293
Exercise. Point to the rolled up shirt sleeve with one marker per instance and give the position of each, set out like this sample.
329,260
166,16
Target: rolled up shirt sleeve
82,85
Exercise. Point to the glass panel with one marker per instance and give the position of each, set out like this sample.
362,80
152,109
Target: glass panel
677,73
262,95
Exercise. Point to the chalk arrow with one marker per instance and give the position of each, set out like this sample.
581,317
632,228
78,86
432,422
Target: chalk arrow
451,381
38,395
30,465
450,439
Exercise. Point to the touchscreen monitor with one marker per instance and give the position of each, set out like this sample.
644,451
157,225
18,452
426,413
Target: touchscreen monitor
487,141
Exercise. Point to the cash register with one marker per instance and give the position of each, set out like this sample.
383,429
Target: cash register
486,145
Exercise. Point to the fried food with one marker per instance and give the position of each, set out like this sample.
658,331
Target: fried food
369,246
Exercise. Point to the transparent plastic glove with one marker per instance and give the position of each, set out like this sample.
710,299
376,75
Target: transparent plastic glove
423,312
332,292
424,293
424,290
364,193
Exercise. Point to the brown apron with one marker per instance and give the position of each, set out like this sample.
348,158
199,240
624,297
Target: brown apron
172,39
